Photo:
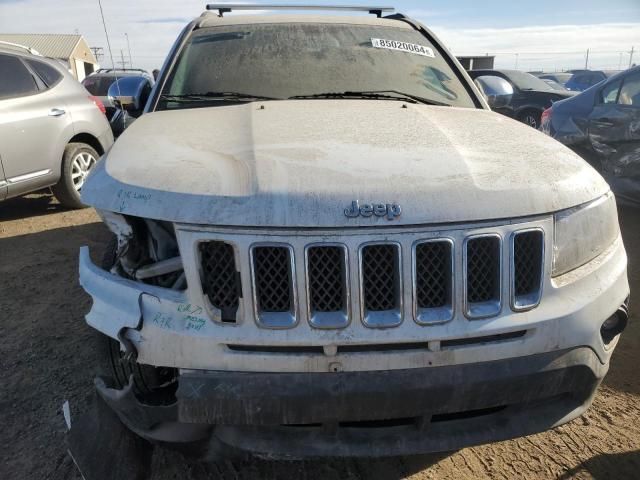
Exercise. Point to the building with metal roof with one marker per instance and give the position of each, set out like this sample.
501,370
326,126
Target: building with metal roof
477,62
72,49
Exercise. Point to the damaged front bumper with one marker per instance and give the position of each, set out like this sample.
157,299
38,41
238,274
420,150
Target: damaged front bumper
295,415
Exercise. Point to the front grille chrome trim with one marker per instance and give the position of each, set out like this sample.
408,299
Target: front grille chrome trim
522,303
382,318
329,320
491,308
274,320
437,315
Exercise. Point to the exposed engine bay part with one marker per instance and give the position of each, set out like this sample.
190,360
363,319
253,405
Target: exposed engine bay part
154,385
147,250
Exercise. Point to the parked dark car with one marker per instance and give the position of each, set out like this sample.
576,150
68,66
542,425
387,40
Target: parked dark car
98,84
602,124
531,96
559,77
128,95
583,79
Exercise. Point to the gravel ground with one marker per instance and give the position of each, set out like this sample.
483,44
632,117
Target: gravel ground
46,358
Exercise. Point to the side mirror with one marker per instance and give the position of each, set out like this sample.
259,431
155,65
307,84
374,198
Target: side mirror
130,93
496,90
123,101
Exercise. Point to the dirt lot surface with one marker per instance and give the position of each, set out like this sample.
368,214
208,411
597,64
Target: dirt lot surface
46,358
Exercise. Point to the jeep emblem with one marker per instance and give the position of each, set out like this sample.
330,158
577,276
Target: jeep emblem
389,210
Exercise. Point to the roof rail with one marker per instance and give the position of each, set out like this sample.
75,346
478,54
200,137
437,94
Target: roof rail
105,70
17,46
228,7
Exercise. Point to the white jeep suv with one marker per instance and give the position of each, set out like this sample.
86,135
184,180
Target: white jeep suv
326,243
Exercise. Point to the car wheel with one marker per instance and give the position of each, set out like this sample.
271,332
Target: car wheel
77,162
531,118
156,385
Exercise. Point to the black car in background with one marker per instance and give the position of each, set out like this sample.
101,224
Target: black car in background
553,84
559,77
98,84
602,124
531,96
583,79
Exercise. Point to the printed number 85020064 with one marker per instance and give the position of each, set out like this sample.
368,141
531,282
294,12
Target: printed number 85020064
402,47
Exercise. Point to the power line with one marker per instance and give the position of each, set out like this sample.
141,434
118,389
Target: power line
129,48
123,62
98,52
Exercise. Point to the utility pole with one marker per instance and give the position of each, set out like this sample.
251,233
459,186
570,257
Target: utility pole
517,60
586,61
122,61
97,52
129,48
631,57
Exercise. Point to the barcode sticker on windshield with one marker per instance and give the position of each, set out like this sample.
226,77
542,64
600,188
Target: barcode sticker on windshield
403,47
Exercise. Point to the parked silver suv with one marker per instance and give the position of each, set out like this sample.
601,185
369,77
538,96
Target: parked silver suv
52,132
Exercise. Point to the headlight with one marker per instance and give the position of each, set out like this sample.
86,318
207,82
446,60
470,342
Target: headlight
582,233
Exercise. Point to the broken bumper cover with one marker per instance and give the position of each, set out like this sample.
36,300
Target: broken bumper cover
370,413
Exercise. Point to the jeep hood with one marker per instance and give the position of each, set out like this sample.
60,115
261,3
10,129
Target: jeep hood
300,163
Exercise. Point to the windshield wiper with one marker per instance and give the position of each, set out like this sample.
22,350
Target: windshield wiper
375,95
231,96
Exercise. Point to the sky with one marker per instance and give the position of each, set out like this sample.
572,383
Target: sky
529,35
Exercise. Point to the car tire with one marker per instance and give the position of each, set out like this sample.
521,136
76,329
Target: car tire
156,385
77,161
533,118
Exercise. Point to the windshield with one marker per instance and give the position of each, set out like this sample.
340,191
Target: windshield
557,77
526,81
285,60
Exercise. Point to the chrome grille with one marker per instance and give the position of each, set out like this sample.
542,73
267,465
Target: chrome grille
220,278
326,277
272,273
339,277
528,257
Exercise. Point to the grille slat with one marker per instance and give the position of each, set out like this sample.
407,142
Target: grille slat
433,274
528,251
272,270
326,276
380,277
483,273
220,278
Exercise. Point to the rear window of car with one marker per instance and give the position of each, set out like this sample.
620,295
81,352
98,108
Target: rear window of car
284,60
526,81
17,81
49,75
98,85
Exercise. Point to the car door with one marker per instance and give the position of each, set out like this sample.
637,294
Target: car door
614,128
32,121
